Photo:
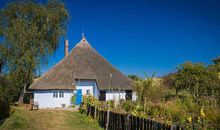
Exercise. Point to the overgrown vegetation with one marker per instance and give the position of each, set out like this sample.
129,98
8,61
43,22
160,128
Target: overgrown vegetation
189,97
29,32
73,100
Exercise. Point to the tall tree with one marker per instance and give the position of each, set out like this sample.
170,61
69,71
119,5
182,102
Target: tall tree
197,78
30,31
217,60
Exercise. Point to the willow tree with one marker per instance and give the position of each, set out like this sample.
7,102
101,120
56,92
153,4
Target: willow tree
29,31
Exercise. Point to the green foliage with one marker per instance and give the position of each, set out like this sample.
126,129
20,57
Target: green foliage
196,78
5,107
169,80
195,107
73,100
88,100
134,77
23,119
128,105
30,31
149,90
217,60
212,117
6,97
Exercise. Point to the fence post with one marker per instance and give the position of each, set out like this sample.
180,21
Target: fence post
127,121
169,127
145,124
173,127
95,112
138,122
141,123
107,121
177,127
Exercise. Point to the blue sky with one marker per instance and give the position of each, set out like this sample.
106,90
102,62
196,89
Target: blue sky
138,36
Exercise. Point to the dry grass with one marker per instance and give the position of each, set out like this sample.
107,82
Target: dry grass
24,119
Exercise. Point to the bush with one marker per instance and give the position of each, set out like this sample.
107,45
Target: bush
73,100
4,107
150,89
212,117
88,100
128,106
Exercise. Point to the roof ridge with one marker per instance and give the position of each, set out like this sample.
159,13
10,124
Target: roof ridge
83,43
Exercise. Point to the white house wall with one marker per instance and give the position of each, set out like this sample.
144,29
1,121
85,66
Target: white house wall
134,96
115,95
46,100
88,85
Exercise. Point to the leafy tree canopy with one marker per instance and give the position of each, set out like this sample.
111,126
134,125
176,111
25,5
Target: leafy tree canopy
217,60
197,78
29,31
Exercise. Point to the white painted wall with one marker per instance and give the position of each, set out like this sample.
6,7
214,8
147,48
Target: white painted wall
85,88
134,96
46,100
88,85
115,95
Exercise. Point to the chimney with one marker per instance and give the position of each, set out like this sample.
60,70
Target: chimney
66,48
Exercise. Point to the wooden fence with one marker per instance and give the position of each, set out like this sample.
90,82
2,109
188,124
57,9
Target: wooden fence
115,121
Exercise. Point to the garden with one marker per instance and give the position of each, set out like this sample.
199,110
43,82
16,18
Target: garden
188,98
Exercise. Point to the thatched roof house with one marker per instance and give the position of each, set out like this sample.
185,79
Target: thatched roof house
83,63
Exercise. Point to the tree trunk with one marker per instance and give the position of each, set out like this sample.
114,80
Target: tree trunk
21,97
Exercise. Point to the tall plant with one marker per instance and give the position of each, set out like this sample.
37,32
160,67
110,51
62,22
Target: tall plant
148,89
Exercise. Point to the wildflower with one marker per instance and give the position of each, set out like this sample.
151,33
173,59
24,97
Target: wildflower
198,119
189,119
202,112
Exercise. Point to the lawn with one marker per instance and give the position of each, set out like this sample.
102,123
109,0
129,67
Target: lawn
24,119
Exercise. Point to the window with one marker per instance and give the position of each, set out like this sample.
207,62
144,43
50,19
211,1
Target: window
61,94
88,92
55,94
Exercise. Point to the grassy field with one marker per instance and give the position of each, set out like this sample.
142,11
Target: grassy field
24,119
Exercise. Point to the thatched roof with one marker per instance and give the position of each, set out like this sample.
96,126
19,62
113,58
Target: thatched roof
83,62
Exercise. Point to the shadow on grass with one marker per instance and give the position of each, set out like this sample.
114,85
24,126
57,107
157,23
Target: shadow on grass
2,120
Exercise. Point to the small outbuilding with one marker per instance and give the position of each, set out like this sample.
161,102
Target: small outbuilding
82,72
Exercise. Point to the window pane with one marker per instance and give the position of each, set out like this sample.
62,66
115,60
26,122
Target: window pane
87,92
55,94
61,94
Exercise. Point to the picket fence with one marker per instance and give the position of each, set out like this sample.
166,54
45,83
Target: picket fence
116,121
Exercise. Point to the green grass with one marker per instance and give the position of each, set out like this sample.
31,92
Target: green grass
24,119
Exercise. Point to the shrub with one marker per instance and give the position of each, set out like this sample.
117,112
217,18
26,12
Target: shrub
88,100
150,89
128,105
212,117
73,100
5,109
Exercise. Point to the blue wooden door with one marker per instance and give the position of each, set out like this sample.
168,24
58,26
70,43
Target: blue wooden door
78,96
